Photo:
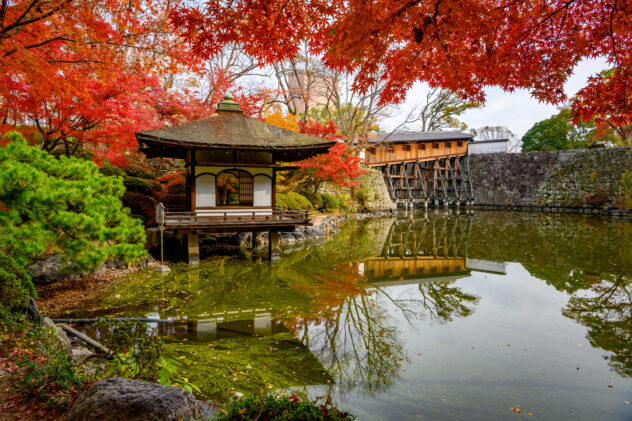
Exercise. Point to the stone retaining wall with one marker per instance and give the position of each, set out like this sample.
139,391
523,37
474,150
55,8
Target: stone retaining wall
586,180
376,193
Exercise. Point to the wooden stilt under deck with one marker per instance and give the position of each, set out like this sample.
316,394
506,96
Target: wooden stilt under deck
274,250
193,246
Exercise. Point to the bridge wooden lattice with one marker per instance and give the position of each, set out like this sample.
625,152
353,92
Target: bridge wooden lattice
439,181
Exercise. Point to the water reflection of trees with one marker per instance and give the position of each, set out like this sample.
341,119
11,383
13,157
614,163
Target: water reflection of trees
443,302
602,303
360,346
607,313
352,328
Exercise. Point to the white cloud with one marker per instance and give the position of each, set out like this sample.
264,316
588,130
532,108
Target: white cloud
517,110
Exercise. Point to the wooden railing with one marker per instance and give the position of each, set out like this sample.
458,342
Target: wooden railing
202,219
368,163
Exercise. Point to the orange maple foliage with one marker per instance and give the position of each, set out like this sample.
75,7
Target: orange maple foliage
462,45
286,121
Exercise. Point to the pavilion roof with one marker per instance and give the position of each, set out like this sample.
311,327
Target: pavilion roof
229,128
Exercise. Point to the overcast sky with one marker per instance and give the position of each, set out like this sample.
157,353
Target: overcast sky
518,110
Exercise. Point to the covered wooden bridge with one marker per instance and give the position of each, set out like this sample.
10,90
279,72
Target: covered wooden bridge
231,164
423,167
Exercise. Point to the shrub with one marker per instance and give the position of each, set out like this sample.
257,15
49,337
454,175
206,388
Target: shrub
81,154
138,185
63,205
293,200
52,378
330,202
15,283
166,179
362,194
110,170
140,205
139,353
345,201
177,186
281,407
38,369
626,183
156,188
315,198
140,171
138,350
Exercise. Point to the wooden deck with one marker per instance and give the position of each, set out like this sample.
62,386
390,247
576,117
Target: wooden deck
278,220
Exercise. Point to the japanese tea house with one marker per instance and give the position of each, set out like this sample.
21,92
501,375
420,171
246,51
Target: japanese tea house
423,167
231,163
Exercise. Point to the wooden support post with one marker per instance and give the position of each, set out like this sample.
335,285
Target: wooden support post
194,248
469,178
274,251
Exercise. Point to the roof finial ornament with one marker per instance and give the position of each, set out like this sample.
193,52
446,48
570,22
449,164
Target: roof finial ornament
228,104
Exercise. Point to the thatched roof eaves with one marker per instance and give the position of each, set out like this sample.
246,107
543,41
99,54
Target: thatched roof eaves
231,130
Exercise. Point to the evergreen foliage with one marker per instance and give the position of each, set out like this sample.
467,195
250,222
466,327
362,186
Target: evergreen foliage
138,185
558,132
111,170
58,205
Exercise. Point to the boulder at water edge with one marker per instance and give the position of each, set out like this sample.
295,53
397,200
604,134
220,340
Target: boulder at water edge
117,399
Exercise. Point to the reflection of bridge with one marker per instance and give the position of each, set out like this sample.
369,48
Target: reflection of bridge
421,250
413,267
445,237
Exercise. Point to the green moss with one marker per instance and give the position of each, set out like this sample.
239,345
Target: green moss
315,198
248,365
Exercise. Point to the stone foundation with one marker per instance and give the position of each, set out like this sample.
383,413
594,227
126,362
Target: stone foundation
583,180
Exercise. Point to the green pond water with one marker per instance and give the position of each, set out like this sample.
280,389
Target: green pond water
442,316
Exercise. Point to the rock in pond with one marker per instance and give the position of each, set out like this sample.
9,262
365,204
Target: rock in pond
117,399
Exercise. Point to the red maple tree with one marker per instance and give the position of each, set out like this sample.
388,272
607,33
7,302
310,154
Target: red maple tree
462,45
339,166
89,71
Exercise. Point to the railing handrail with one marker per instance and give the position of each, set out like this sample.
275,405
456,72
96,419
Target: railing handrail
246,212
222,218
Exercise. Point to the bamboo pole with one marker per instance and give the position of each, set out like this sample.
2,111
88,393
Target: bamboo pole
86,339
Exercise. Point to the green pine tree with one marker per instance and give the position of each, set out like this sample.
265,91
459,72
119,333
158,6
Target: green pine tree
58,205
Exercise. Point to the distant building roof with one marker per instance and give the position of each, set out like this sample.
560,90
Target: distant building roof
490,141
406,137
229,128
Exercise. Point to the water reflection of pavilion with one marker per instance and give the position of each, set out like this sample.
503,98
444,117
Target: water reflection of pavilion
221,325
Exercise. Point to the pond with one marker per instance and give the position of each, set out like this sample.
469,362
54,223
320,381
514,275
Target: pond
486,315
